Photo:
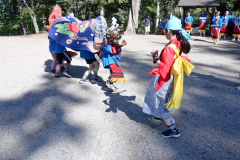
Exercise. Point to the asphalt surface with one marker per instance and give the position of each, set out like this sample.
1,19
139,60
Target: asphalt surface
45,118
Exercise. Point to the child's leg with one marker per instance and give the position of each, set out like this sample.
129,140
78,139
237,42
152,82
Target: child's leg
54,57
58,69
88,71
66,71
173,131
59,62
68,66
96,68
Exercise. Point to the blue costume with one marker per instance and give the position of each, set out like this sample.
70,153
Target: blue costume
225,21
190,20
108,58
56,47
203,20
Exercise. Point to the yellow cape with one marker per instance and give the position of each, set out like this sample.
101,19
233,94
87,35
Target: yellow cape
177,68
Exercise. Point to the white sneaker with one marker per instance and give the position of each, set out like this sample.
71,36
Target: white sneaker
84,80
238,39
233,39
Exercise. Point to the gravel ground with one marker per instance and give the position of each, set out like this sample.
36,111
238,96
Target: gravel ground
44,118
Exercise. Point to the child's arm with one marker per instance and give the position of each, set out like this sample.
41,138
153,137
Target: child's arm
166,62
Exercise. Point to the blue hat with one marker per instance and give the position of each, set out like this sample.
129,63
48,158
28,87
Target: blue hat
175,24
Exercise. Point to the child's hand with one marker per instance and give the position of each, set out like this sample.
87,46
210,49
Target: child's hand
153,51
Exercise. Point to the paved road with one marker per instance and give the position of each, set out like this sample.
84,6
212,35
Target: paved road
44,118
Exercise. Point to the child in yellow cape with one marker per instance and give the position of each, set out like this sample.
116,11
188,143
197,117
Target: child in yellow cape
167,82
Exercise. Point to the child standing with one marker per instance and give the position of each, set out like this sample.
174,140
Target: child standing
236,31
168,77
216,27
93,65
188,23
111,54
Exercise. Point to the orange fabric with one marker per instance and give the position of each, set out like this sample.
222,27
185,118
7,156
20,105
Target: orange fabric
166,61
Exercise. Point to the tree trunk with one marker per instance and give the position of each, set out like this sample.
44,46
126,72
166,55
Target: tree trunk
135,11
130,26
157,19
87,12
171,9
180,12
21,17
33,15
101,10
34,19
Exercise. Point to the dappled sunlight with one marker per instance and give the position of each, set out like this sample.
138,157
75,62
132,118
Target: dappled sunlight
43,117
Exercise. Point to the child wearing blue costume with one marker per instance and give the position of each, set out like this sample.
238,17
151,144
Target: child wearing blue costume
93,65
225,20
54,57
236,31
216,27
166,87
188,23
61,54
111,54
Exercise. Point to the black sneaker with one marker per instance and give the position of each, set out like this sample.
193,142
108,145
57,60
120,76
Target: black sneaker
62,69
95,80
53,71
67,74
84,80
57,76
171,133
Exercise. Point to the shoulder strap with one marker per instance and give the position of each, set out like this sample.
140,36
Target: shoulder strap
177,50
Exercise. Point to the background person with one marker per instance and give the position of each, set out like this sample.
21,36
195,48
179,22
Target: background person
225,19
188,23
147,24
236,31
202,23
217,24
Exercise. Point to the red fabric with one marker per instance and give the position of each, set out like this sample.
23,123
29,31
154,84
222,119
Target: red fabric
166,62
236,32
188,27
224,29
115,49
160,31
56,13
72,54
215,33
116,71
202,26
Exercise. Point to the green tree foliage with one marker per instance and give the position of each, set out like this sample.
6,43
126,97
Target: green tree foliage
10,23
